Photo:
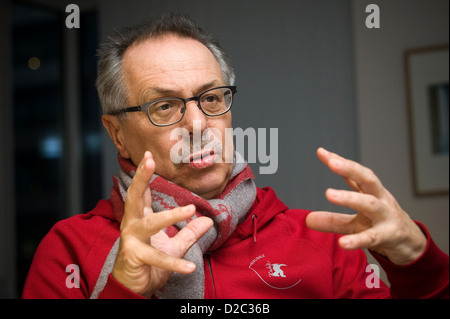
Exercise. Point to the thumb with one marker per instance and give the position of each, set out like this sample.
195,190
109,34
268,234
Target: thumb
149,169
138,201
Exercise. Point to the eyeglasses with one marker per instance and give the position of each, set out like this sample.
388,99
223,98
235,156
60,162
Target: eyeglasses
170,110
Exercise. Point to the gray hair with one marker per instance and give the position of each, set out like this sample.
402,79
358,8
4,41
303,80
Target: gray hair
111,88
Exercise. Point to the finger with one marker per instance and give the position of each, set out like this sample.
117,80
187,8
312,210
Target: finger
353,185
365,239
138,194
366,204
155,257
153,223
190,234
330,222
359,177
324,157
144,172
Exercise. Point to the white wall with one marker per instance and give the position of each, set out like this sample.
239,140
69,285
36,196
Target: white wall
382,110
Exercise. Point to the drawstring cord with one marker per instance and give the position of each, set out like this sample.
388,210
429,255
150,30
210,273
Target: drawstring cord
255,224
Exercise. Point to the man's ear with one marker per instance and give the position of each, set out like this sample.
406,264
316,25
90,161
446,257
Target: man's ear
114,127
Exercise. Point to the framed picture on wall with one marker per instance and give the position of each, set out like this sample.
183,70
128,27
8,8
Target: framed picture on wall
427,82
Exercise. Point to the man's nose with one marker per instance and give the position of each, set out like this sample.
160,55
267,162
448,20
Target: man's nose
194,115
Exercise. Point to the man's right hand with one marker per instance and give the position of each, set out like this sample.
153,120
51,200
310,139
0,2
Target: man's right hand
147,256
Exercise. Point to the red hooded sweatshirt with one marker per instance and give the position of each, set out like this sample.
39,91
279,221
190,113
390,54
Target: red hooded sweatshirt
271,254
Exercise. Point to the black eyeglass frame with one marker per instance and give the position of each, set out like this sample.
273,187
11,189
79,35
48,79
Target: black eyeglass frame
145,107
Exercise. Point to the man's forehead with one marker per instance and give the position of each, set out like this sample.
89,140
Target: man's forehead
170,66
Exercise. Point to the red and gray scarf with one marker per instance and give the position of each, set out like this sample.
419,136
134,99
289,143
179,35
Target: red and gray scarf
227,211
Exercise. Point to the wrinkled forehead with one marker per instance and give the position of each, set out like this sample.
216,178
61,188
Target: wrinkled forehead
169,63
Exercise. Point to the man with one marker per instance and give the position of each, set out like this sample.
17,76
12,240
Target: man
199,227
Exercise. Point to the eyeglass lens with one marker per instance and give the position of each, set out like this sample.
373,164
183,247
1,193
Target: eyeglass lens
212,102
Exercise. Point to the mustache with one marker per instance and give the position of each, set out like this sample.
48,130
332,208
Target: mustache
207,141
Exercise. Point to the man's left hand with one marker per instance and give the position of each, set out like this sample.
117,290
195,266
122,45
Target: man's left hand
380,224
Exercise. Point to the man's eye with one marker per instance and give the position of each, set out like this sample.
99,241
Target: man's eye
211,99
164,107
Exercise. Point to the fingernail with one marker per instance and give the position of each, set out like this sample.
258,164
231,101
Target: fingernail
345,242
142,167
188,208
190,266
334,193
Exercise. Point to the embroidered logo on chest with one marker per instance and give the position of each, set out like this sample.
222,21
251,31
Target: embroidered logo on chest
275,270
277,275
